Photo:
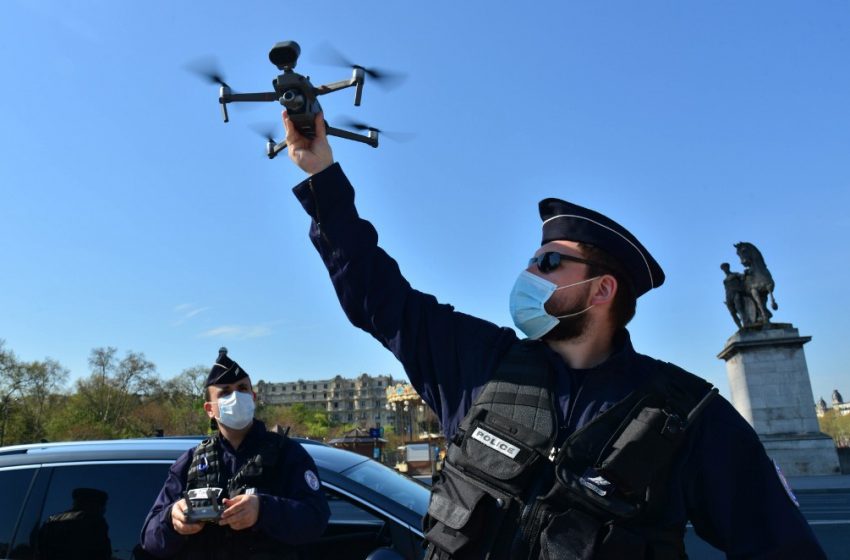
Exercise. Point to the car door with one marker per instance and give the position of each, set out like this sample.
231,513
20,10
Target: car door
89,511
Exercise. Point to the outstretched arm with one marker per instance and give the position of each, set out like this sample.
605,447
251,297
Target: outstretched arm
447,355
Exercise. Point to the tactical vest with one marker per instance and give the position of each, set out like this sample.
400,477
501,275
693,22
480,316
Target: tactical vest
505,491
258,473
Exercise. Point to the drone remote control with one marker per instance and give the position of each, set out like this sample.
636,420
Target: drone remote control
203,505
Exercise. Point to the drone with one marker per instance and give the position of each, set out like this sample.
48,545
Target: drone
300,98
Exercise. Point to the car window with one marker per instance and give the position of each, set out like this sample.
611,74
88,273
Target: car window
391,484
96,511
15,484
343,511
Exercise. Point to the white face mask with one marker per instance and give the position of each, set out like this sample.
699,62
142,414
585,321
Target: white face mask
236,410
528,297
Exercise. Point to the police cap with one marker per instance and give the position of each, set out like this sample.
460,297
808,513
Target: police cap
225,370
567,221
89,496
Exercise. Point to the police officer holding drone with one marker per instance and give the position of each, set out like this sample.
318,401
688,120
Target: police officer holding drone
568,443
245,492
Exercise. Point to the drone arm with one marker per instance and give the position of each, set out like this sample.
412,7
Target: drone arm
335,86
371,139
266,96
358,77
273,149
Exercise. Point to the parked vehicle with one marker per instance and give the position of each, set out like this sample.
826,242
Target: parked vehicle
373,508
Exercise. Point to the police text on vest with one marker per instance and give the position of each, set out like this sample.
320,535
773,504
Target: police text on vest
499,445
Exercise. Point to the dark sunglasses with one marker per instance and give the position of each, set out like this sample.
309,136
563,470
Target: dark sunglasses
550,260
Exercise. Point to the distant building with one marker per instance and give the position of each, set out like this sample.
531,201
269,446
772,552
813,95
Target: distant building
838,404
360,401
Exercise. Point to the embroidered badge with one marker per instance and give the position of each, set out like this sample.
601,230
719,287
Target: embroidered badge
596,483
785,484
498,444
312,480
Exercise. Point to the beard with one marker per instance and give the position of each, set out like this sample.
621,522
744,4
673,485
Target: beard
569,328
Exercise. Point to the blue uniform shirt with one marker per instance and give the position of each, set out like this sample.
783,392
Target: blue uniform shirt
294,512
723,481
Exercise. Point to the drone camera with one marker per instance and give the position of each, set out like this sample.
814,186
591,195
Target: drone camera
285,54
293,100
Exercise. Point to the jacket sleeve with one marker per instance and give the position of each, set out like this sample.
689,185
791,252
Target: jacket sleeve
447,355
158,535
297,512
735,497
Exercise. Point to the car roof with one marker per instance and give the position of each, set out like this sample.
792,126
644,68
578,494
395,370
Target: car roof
151,449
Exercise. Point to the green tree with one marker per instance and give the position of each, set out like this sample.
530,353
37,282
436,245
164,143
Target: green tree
836,426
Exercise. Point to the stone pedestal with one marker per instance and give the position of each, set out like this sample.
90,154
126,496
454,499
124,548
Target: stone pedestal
770,387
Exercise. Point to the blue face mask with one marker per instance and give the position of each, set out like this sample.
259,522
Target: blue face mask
528,297
236,410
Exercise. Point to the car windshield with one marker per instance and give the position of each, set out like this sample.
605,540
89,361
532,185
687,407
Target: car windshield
391,484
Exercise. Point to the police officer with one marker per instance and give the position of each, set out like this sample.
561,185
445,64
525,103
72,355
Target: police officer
568,443
271,492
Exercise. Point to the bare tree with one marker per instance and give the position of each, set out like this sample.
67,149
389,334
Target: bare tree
11,381
40,382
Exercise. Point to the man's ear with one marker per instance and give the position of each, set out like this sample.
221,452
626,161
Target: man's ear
208,408
606,289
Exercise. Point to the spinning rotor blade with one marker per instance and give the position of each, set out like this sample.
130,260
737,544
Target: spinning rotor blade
363,127
328,55
265,130
207,69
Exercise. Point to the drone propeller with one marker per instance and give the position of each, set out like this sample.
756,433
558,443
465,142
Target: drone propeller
207,69
265,130
328,55
356,125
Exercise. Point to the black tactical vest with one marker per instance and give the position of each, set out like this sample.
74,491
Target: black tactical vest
505,491
258,473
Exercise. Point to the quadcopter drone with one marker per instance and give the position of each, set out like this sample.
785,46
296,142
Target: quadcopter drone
295,92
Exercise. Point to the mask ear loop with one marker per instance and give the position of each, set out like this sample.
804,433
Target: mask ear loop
568,315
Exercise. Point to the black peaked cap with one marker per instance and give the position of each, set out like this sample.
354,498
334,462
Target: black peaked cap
225,370
567,221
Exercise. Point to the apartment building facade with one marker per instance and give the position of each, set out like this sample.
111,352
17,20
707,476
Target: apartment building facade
361,400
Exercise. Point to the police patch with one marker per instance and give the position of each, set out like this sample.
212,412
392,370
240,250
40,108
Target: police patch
312,480
785,484
496,443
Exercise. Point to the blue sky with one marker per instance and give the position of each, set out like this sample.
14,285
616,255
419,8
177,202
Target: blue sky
134,218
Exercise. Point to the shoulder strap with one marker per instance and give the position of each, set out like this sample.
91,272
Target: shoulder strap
262,465
206,468
520,392
638,437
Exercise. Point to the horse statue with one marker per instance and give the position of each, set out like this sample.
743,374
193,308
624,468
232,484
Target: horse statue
758,283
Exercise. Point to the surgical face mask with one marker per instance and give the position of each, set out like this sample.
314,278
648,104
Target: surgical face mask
236,410
528,297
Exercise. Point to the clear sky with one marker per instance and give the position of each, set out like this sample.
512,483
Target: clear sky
133,217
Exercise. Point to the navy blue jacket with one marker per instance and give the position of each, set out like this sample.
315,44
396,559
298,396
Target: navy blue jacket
723,481
293,513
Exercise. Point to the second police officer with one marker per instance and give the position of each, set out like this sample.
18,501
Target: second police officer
272,496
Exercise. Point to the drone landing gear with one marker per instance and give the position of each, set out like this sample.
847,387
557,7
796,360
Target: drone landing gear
371,138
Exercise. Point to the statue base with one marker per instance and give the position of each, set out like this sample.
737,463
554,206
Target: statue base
770,387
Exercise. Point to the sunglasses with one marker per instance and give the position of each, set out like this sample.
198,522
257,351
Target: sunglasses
550,260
